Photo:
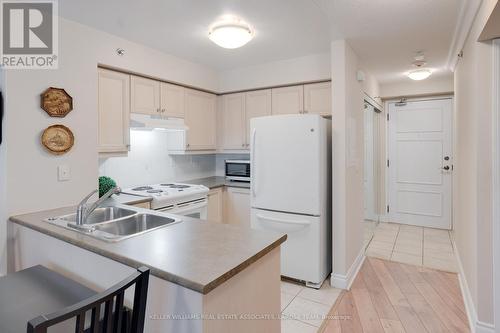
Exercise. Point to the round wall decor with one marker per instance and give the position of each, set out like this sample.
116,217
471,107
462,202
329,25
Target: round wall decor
58,139
57,102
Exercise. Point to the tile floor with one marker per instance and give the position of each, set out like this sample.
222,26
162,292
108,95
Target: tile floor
304,308
413,245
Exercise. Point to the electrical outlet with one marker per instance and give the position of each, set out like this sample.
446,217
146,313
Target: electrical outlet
63,173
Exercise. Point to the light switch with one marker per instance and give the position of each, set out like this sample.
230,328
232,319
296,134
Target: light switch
63,173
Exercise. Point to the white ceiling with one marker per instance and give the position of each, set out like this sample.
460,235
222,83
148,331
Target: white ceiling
384,33
284,28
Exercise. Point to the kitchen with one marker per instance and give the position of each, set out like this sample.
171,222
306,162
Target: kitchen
228,153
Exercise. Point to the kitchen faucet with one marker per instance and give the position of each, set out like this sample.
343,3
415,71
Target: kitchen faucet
83,211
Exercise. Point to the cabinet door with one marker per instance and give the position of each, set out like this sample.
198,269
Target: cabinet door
257,104
114,111
288,100
200,118
233,129
172,100
215,206
238,206
318,98
145,97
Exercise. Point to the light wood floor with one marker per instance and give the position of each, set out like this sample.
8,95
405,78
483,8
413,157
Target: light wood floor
394,297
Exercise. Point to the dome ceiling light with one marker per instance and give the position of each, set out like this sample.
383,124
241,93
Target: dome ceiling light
230,33
420,73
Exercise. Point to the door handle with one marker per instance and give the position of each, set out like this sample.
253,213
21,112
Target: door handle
254,173
284,221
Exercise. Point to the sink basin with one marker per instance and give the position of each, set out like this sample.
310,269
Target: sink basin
133,225
113,224
102,214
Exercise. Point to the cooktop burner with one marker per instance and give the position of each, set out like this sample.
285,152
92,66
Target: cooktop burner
175,185
154,191
142,188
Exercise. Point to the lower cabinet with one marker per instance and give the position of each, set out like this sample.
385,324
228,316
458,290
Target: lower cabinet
215,205
237,206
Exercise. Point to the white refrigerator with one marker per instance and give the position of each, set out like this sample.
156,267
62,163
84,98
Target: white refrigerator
291,190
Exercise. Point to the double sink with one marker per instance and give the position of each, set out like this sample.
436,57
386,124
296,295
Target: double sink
114,223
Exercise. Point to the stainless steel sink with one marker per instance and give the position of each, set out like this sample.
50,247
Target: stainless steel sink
115,223
102,214
133,225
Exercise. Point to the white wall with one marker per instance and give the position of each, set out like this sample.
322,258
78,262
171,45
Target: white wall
148,162
472,220
408,88
308,68
31,172
348,155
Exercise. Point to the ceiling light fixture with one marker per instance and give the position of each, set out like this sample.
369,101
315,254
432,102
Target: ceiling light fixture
419,74
230,33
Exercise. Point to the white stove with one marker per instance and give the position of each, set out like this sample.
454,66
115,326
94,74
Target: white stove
176,198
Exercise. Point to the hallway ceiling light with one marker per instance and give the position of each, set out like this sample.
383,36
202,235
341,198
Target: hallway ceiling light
230,33
419,74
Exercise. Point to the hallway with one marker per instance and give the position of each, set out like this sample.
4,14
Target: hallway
393,297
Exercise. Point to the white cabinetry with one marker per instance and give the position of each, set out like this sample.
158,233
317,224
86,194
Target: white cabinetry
257,104
318,98
237,202
200,118
288,100
233,122
172,100
215,205
114,111
145,98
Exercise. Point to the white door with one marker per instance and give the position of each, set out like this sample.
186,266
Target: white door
172,100
257,104
369,172
200,118
233,133
286,170
420,163
144,96
238,206
318,98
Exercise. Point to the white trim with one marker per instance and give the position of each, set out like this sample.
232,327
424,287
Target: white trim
476,326
465,20
345,281
496,179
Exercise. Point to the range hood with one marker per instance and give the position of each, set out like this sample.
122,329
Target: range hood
154,122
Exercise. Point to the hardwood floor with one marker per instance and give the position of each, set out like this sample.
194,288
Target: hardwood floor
388,297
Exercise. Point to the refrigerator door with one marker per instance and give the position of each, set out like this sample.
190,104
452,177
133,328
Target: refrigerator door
303,254
288,156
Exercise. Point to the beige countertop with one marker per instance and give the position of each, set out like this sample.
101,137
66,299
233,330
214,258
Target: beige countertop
216,181
195,254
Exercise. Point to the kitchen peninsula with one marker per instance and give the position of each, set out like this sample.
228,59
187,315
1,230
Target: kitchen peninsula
199,269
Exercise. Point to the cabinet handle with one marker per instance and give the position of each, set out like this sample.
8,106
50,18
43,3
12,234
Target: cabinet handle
243,145
162,110
187,145
158,110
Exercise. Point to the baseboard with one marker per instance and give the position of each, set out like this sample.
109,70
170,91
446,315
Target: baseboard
476,326
345,281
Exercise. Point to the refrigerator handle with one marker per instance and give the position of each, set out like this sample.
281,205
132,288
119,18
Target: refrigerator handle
253,169
261,217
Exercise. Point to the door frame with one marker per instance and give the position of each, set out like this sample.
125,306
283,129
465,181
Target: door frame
388,217
496,180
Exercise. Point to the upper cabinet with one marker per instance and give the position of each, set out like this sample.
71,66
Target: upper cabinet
288,100
318,98
145,96
257,104
233,122
156,98
172,100
114,111
200,118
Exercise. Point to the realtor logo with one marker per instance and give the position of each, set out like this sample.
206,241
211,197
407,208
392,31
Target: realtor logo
29,34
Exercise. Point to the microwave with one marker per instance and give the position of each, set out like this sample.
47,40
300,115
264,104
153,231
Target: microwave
238,170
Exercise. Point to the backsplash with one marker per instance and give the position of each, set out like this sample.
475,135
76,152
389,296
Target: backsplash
148,162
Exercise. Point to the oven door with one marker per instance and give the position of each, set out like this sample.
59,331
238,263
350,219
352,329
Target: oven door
196,209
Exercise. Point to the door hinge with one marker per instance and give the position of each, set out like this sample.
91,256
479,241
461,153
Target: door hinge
388,210
388,163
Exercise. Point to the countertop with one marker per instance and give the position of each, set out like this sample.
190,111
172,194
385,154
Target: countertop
195,254
217,181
